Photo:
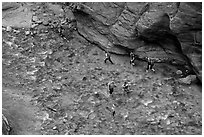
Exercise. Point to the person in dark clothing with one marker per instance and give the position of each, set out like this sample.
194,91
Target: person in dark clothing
108,58
113,110
125,87
150,64
132,56
111,86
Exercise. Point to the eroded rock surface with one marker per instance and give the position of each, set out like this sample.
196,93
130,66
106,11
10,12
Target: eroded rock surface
16,14
142,25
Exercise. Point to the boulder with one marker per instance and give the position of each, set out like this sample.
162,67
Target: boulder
152,25
27,33
8,29
178,72
188,80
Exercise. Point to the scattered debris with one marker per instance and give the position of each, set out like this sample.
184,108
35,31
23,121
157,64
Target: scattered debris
147,101
179,72
27,33
8,29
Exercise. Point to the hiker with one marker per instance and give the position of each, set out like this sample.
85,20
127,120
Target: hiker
132,56
125,87
150,65
108,57
111,86
60,31
113,110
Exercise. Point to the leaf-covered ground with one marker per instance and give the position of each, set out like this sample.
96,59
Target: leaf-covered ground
66,81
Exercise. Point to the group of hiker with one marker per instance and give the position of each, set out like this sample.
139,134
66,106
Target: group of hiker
126,91
150,62
125,86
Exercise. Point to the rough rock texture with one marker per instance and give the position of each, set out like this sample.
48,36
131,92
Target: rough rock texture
154,27
10,6
188,18
151,23
188,80
168,32
187,24
158,28
12,15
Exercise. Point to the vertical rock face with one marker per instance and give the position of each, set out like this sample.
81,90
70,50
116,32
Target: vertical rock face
187,24
188,18
118,20
168,29
108,16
